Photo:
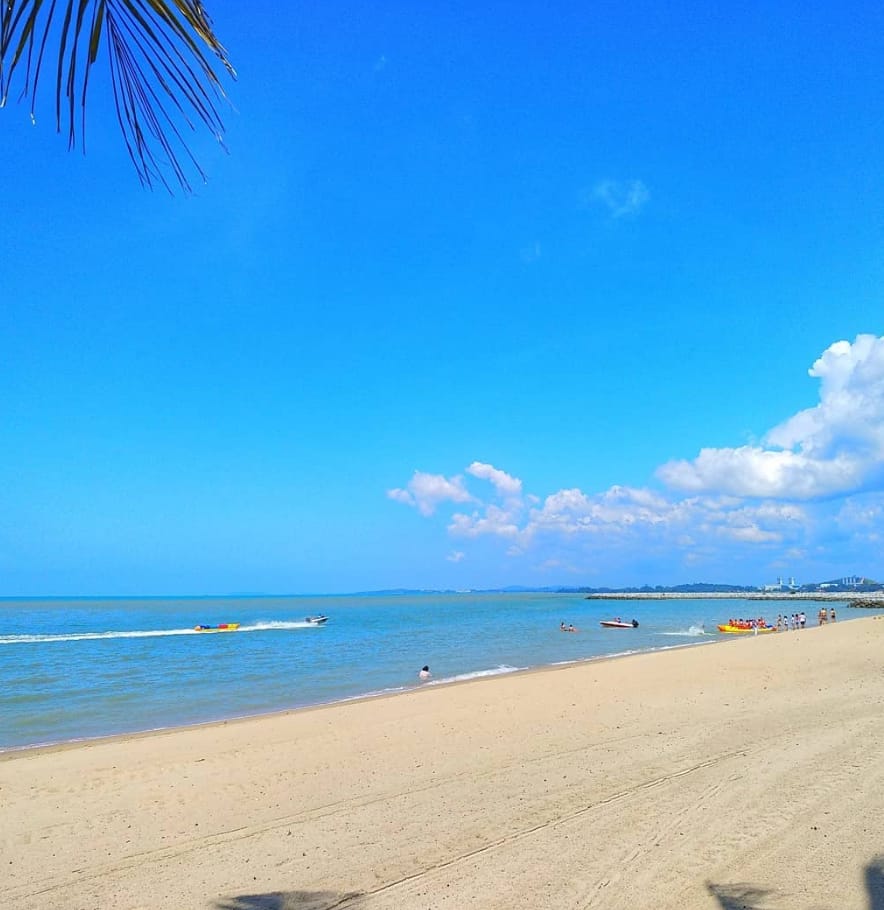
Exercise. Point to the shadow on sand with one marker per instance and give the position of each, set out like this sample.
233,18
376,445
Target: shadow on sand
730,897
750,897
875,883
286,900
738,897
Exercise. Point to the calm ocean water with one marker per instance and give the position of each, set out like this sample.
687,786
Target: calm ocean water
72,669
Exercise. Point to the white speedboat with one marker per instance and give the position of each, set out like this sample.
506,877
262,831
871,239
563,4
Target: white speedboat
316,620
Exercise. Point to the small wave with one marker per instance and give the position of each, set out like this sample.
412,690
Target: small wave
147,633
628,653
692,632
476,674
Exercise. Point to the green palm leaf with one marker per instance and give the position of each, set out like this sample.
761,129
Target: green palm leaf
162,80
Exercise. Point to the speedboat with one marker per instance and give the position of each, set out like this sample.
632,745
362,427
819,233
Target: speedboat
618,624
221,627
316,620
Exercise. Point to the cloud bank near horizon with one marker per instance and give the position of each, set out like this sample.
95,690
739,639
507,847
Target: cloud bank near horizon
813,485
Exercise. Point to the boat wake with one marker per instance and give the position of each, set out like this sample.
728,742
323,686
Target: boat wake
149,633
693,632
279,626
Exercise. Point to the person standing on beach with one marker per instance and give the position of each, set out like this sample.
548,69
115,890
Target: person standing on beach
832,615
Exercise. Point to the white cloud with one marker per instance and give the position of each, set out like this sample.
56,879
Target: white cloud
495,521
631,514
456,556
618,509
751,534
622,198
754,471
833,448
501,520
505,484
400,495
426,491
850,414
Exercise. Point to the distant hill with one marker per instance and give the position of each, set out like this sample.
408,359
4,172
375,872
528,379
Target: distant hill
509,589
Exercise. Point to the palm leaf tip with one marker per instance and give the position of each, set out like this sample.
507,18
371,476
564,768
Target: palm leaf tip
163,58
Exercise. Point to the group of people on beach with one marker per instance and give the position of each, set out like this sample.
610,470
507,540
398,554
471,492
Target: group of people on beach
791,622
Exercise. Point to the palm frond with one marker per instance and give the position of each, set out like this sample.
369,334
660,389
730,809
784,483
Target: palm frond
160,72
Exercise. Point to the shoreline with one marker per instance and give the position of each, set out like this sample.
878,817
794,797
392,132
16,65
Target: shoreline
176,711
482,677
692,777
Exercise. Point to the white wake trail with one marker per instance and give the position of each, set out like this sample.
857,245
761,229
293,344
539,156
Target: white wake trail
280,626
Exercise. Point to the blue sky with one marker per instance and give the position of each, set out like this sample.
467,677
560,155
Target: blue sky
475,298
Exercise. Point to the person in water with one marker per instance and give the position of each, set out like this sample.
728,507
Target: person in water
563,627
424,672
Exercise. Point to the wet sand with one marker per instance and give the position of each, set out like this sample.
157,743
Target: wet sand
747,774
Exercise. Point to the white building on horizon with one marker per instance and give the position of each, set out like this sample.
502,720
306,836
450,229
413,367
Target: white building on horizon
792,585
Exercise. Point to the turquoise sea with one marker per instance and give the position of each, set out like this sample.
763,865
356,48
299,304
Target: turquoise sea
81,668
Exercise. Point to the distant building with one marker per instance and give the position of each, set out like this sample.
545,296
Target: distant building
781,585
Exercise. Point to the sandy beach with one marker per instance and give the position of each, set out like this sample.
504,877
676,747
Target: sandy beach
747,774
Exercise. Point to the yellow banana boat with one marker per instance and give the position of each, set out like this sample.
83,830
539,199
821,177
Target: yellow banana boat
740,630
